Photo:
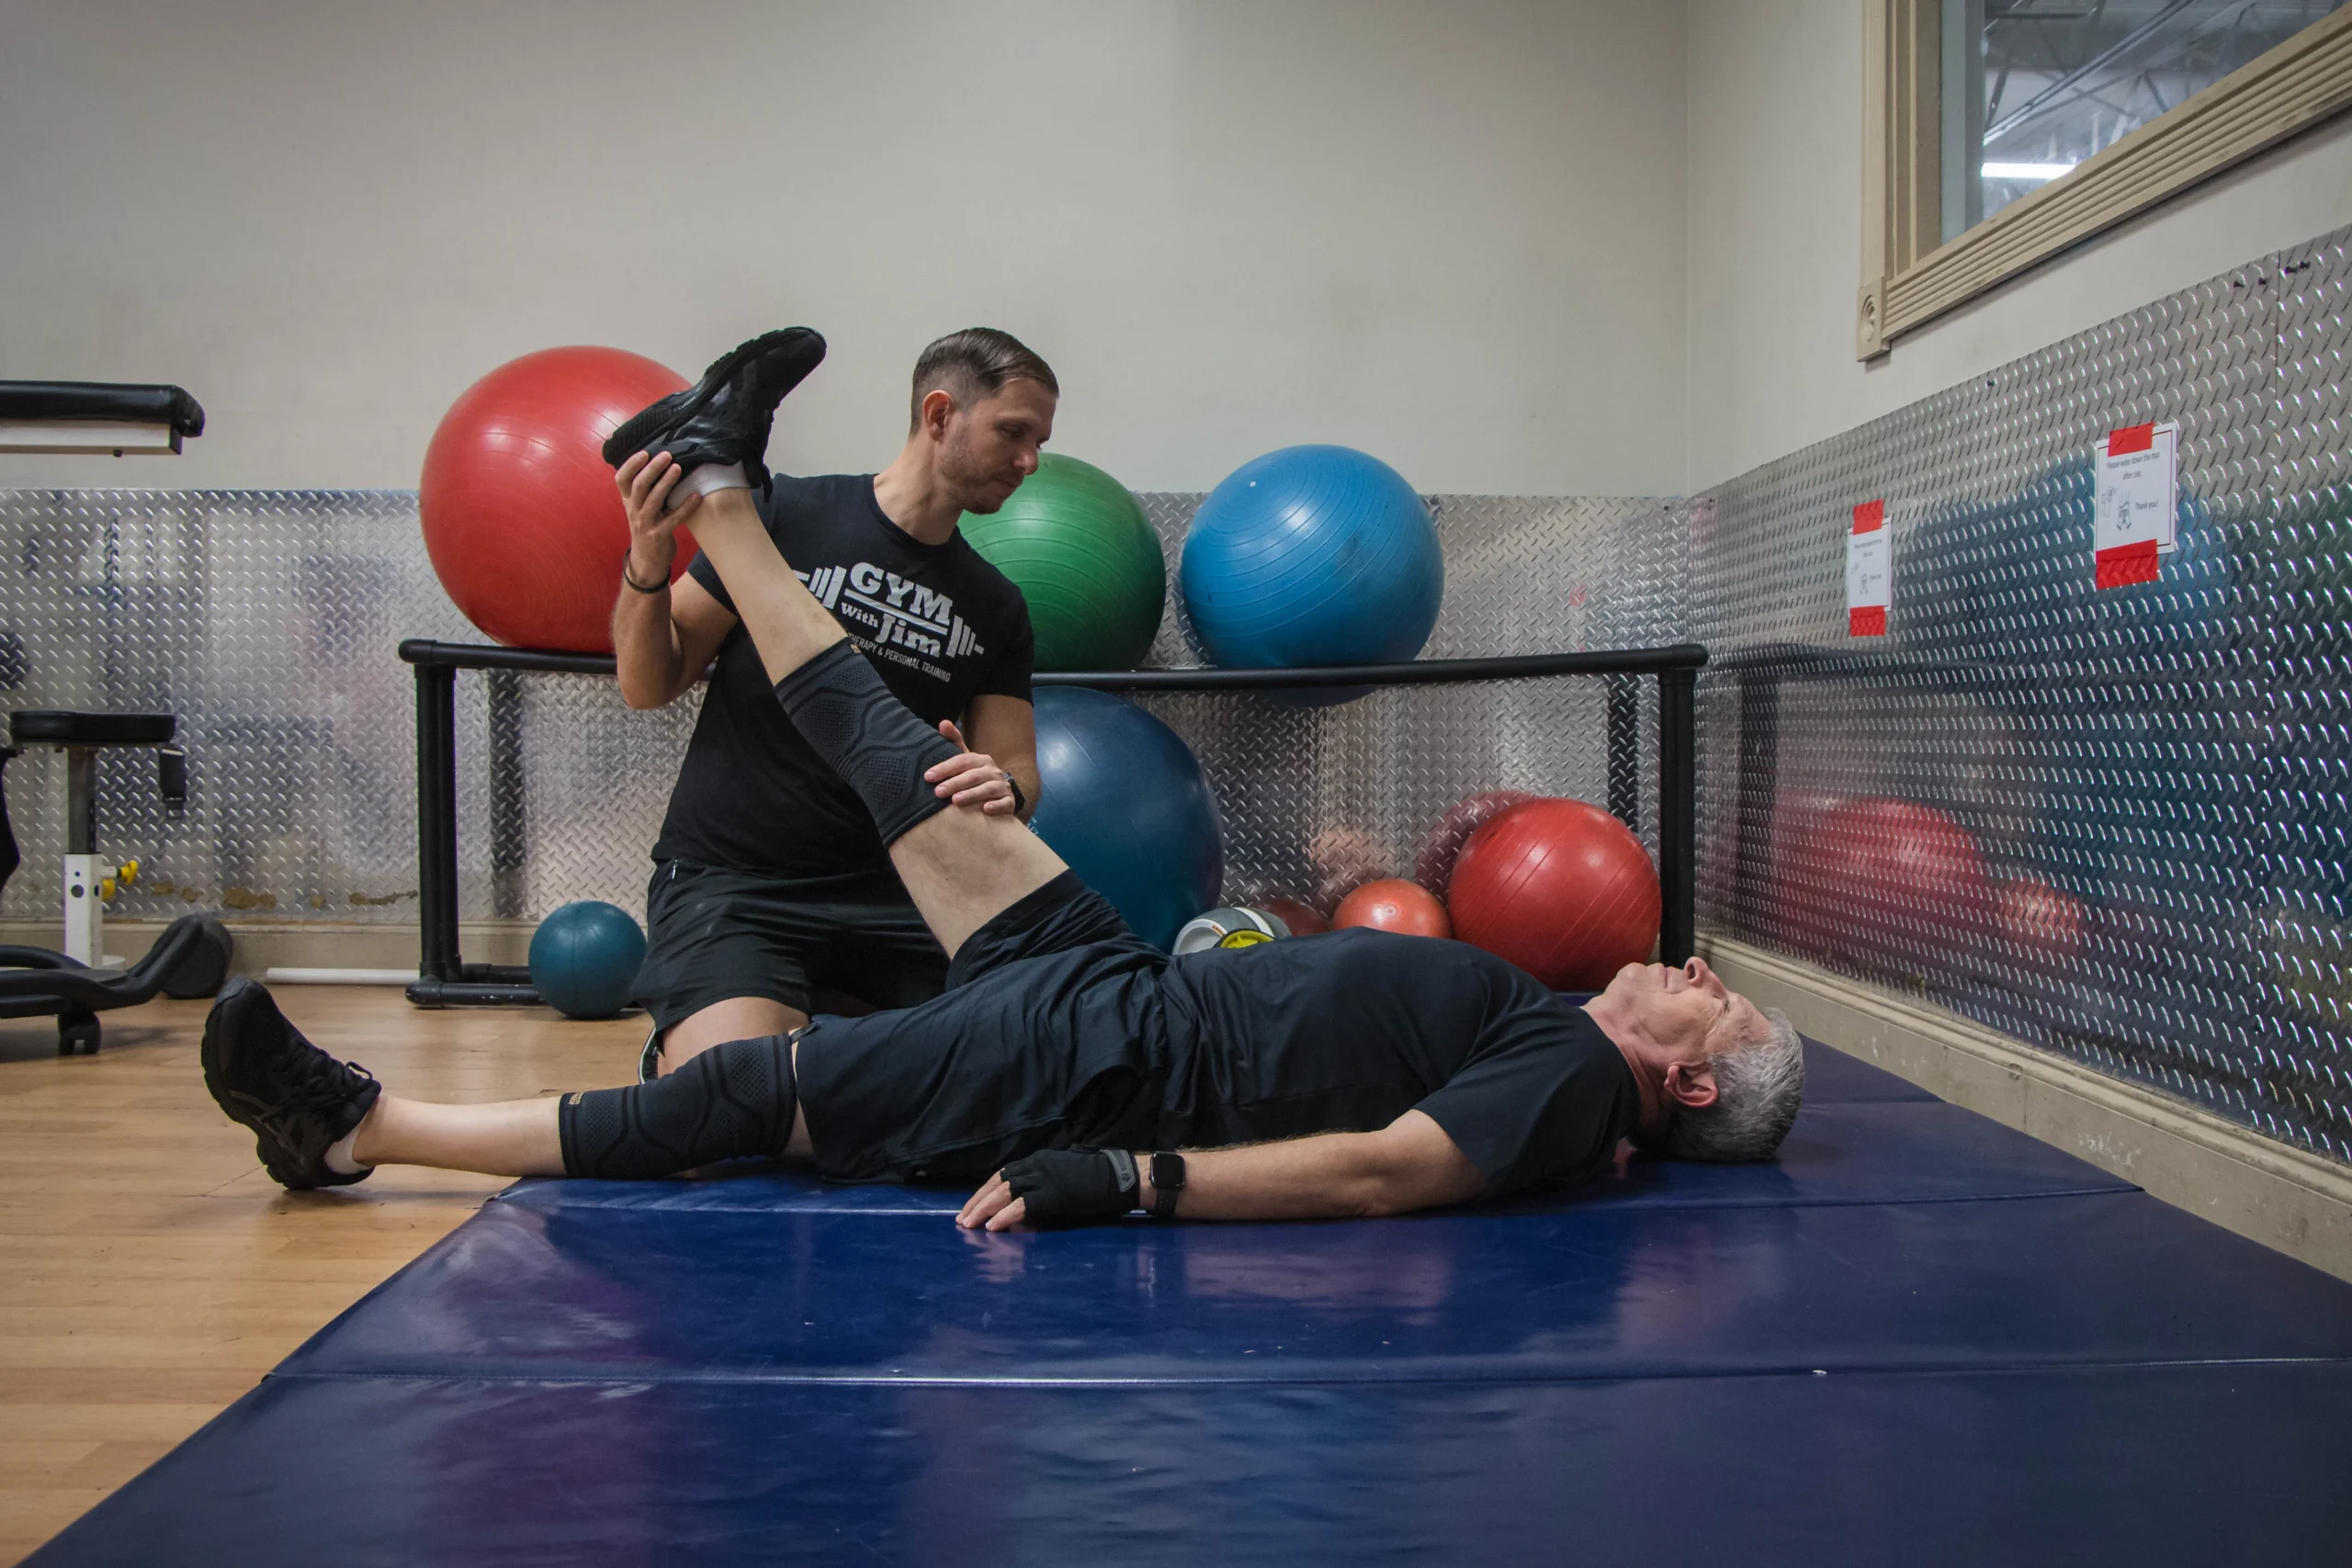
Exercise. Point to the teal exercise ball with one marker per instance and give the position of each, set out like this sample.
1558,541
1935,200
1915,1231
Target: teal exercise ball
1076,545
1126,805
585,959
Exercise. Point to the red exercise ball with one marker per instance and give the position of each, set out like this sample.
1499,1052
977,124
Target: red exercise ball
1562,889
2043,921
523,524
1889,881
1298,918
1433,868
1392,904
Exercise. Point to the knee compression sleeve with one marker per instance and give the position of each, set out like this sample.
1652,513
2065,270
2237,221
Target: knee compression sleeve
838,701
731,1102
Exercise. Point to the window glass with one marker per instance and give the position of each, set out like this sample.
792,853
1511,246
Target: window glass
2032,87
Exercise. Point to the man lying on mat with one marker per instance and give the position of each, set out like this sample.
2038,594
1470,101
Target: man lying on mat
1356,1073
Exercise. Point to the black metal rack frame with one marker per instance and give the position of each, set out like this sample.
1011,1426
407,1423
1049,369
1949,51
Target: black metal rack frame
446,980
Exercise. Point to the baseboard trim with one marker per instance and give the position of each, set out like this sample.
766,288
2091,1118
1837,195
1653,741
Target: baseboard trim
2296,1203
306,944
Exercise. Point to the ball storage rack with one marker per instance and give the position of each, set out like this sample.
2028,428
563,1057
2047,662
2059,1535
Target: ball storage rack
446,980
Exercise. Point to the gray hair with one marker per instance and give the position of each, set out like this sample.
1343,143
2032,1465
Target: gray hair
1758,1087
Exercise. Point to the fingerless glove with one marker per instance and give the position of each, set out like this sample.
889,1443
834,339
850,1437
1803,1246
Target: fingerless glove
1074,1186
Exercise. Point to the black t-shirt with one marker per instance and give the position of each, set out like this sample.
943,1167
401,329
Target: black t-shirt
941,624
1349,1031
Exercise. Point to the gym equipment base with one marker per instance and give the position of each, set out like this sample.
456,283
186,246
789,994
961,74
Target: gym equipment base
1919,1337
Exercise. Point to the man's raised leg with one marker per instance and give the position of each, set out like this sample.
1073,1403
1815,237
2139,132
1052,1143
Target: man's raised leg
962,868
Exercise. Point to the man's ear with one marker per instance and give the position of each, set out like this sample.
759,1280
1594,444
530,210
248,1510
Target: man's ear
1691,1083
938,408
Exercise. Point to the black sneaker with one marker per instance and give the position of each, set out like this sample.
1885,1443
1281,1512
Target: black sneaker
297,1101
726,416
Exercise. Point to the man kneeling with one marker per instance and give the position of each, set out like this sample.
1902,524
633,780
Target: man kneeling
1355,1072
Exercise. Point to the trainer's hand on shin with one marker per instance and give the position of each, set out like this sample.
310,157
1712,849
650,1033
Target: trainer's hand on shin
646,481
971,778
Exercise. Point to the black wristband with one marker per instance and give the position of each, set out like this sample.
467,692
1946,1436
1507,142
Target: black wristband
1020,801
1062,1186
661,587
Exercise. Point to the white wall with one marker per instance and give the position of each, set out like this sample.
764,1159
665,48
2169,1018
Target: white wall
1775,183
1450,234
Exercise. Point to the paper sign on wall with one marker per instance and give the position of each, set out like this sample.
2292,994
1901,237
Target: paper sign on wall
1868,580
2135,502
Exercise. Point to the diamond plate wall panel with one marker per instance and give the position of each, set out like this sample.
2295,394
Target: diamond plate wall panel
1315,799
266,622
2149,776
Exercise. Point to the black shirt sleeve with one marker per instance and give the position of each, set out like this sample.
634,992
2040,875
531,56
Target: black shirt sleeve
1544,1098
1009,676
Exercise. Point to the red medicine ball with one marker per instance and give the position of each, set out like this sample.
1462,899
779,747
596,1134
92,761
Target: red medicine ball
1560,888
522,519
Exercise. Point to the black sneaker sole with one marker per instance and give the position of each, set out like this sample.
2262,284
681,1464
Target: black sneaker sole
636,433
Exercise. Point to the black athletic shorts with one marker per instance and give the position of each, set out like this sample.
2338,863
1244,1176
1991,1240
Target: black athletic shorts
712,934
1050,1034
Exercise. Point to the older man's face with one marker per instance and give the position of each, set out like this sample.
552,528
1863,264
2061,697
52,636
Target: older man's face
1686,1012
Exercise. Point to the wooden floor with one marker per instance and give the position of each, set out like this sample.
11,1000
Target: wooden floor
149,1273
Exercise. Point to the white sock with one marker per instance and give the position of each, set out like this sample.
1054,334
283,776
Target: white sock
705,478
339,1159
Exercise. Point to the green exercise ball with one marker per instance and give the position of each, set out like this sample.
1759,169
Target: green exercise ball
1076,544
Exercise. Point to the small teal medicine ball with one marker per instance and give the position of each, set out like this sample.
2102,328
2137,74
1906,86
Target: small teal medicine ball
585,959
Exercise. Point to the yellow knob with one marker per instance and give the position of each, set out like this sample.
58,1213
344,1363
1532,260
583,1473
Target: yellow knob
129,872
105,889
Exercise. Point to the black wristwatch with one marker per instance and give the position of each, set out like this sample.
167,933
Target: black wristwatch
1020,801
1167,1184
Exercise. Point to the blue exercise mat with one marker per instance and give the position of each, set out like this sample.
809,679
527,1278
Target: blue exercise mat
1919,1337
2192,1465
624,1294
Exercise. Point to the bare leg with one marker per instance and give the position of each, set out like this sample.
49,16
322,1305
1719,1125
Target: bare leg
737,1017
962,868
513,1137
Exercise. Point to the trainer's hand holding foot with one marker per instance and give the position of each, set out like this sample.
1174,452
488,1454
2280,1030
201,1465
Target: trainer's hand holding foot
649,486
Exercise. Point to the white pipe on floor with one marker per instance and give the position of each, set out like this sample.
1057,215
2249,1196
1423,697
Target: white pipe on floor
299,976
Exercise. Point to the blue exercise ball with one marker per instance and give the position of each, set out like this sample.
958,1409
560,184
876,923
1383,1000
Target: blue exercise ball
1312,554
585,959
1126,805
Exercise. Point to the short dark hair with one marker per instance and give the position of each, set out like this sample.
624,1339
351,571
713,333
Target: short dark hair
974,363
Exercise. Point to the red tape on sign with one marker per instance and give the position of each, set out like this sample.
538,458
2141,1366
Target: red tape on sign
2131,438
1869,621
2127,564
1870,517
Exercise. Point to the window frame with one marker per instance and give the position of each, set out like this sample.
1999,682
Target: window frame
1910,277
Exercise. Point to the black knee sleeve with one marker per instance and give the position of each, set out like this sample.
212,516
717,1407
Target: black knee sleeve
838,701
731,1102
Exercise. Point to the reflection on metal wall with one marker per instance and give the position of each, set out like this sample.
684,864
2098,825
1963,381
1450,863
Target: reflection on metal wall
267,622
2151,780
